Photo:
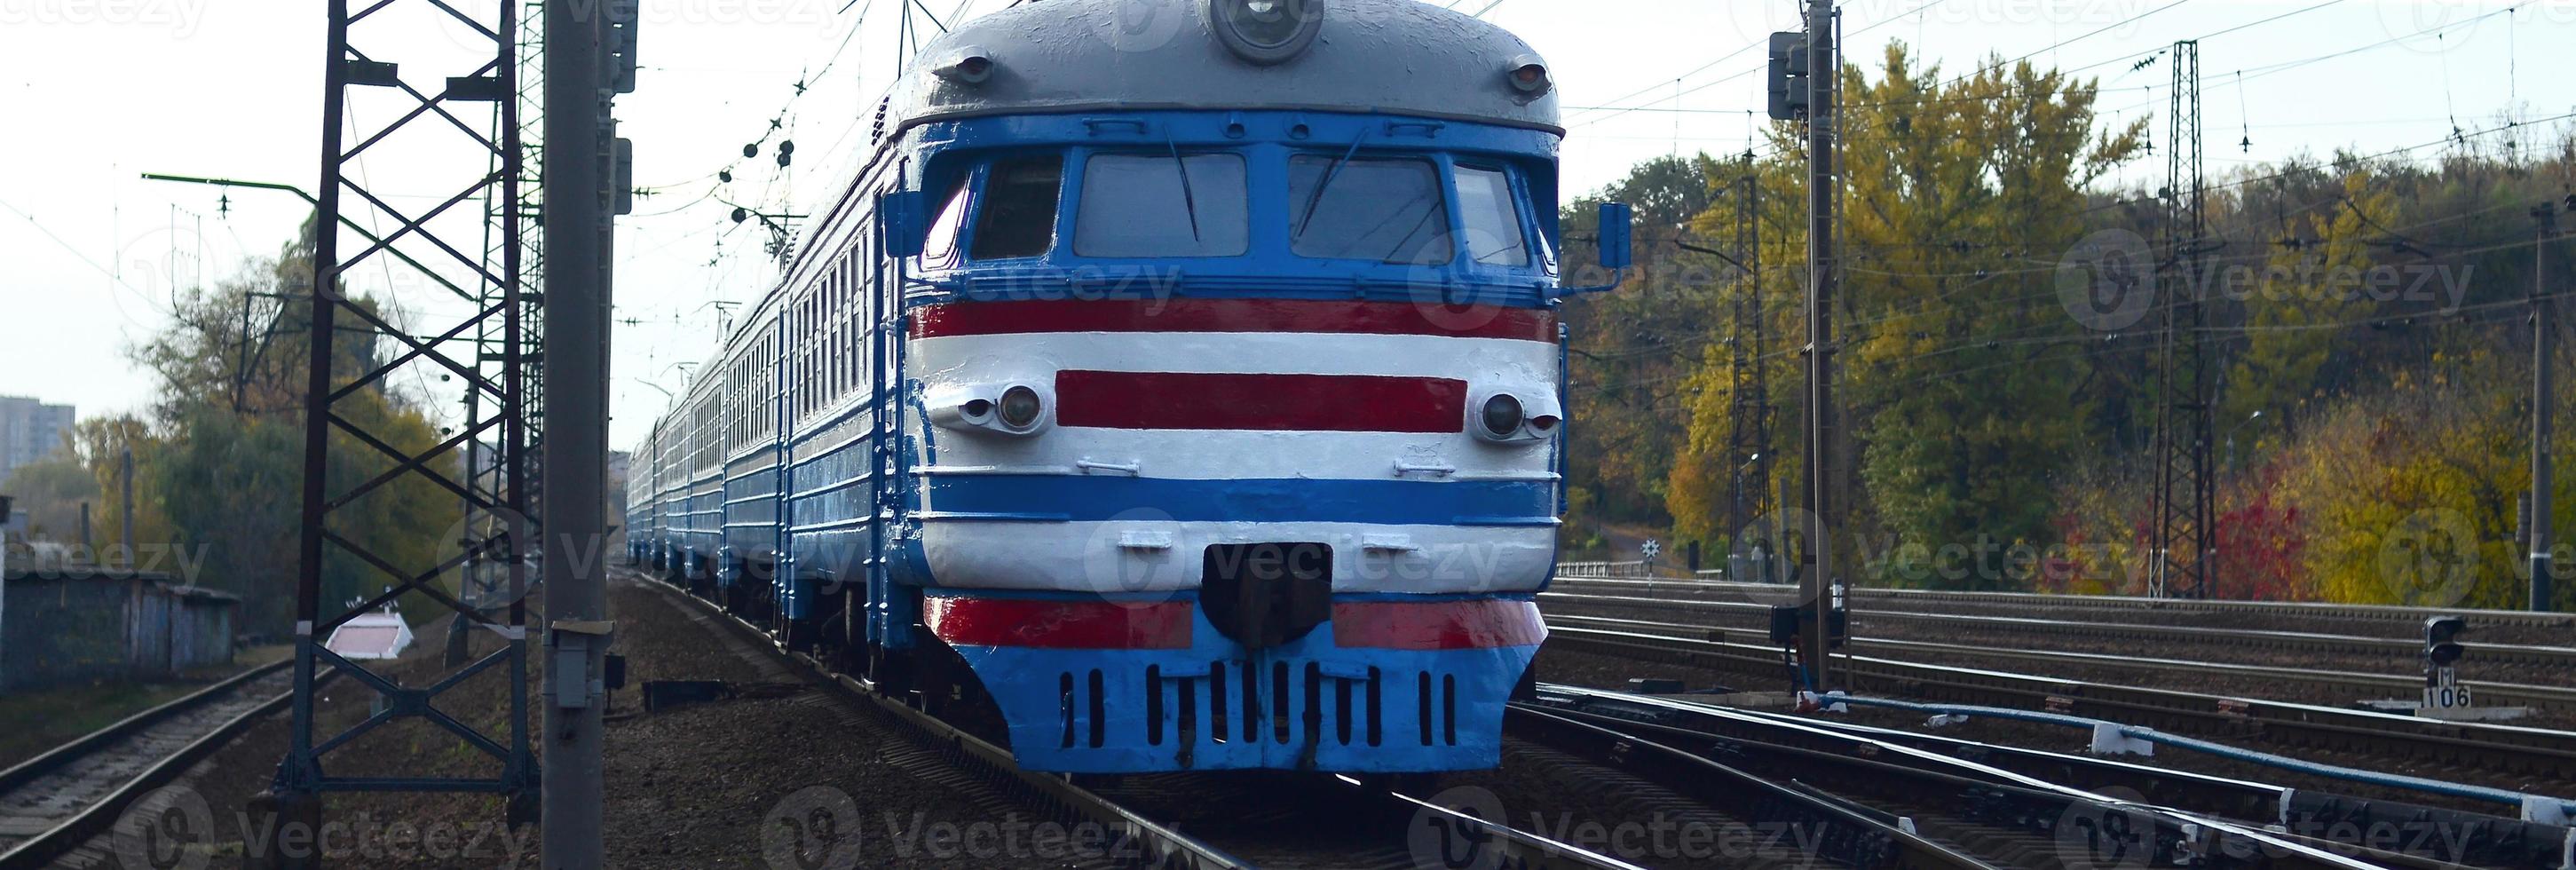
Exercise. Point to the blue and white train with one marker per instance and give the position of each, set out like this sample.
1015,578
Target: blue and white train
1178,383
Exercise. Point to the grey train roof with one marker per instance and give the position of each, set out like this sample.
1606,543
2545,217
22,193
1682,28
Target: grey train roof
1381,56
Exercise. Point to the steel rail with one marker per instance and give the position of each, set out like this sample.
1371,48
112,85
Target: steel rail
2257,818
2386,612
2546,656
21,773
2497,841
101,815
2547,697
1852,836
2498,748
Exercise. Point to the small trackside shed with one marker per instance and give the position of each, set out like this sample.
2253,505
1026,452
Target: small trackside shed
78,624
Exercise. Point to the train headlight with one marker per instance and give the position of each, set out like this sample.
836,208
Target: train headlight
1502,416
1001,408
1266,31
1020,408
1516,416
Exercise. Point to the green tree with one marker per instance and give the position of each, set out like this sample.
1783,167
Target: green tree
1634,348
220,461
2309,304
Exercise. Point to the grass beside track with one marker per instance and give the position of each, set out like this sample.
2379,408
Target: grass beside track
36,721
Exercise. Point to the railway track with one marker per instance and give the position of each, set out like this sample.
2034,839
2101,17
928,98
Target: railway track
57,805
1869,798
2016,807
2358,684
2495,749
2388,620
2544,658
1231,822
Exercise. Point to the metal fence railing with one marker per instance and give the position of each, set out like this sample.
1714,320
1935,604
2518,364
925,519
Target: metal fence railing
1637,568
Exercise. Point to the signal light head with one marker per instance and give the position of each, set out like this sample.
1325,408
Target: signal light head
2442,639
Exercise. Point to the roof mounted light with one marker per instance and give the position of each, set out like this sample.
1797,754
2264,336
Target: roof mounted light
967,66
1528,75
1266,31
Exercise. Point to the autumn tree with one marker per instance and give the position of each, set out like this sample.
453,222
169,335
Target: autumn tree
1633,348
220,457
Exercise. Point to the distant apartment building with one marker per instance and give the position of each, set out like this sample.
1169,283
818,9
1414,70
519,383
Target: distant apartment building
29,431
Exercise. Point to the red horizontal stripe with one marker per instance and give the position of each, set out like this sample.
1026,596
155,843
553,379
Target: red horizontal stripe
1436,625
1058,624
1292,403
1233,315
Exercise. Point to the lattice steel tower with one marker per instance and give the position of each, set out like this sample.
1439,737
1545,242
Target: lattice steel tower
1748,438
458,118
2185,555
488,462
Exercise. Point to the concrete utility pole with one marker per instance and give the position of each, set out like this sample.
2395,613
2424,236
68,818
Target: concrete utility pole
1816,585
2543,401
576,444
125,525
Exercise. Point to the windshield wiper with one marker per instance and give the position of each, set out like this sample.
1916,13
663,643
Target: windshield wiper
1189,198
1330,173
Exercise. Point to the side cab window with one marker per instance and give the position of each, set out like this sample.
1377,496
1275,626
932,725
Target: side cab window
1489,206
940,250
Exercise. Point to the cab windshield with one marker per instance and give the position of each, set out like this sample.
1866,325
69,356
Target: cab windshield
1388,209
1176,203
1163,205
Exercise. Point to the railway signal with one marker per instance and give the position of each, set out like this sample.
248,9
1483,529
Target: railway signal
2444,696
2442,652
1788,77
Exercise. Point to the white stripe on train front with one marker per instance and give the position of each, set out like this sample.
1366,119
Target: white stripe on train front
1223,454
1031,355
1145,557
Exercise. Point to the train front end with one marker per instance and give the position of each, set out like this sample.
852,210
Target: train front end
1236,380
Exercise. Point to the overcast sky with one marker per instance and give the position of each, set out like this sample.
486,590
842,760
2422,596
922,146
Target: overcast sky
95,92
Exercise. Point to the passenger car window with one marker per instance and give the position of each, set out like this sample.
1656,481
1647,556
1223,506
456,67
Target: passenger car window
939,250
1159,205
1385,209
1492,216
1017,218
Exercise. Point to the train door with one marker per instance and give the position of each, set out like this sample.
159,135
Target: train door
891,611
